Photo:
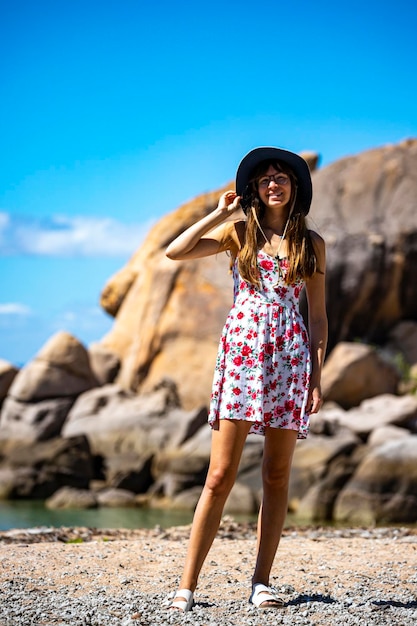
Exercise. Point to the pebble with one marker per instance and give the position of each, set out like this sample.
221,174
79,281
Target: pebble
133,608
380,601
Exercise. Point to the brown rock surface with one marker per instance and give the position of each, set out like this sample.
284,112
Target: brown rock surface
127,430
7,375
37,470
60,369
71,498
104,363
365,207
354,372
170,318
385,484
33,421
383,410
403,339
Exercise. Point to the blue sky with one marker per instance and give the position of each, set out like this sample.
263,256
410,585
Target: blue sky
112,114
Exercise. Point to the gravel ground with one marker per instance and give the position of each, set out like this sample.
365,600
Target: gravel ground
86,577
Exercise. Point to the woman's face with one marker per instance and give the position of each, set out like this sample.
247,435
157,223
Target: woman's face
274,188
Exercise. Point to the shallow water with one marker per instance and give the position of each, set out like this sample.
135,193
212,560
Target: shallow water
28,514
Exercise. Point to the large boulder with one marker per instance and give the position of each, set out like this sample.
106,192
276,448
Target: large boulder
43,391
157,415
7,482
312,458
354,372
384,486
403,340
33,421
126,430
241,500
365,207
382,434
36,471
70,498
383,410
104,363
7,375
60,369
317,504
169,314
177,469
116,498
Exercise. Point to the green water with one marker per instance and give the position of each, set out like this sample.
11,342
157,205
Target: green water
28,514
31,514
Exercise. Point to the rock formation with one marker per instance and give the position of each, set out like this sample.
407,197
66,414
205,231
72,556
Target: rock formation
44,390
385,484
125,420
126,431
365,206
354,372
169,314
7,375
37,470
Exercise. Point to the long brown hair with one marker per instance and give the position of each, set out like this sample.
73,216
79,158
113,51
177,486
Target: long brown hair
302,262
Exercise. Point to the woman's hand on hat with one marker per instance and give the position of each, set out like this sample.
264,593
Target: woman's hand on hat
229,202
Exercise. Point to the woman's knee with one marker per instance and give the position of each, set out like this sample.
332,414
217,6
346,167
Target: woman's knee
219,481
275,476
278,453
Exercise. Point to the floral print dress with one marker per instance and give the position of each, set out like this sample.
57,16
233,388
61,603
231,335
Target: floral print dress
263,365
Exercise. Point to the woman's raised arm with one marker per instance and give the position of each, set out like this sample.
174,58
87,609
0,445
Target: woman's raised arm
207,236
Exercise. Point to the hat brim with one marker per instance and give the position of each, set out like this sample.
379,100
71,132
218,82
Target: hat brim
295,162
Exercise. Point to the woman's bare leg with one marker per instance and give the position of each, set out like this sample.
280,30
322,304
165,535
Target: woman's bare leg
276,467
226,450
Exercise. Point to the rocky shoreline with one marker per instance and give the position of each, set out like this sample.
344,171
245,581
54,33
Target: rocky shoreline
123,422
90,577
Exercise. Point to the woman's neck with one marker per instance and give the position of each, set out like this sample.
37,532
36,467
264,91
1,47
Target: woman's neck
276,225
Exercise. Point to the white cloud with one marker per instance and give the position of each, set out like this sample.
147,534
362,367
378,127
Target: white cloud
14,308
4,219
87,321
4,224
70,236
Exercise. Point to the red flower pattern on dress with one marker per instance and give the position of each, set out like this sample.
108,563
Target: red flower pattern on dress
263,365
267,264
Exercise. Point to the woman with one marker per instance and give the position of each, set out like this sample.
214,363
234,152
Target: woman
267,376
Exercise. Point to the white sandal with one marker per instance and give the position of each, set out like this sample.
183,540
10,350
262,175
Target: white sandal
261,594
184,601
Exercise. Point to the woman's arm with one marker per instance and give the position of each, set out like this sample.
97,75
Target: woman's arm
317,322
208,235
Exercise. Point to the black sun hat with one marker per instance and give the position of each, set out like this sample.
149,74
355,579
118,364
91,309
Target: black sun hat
294,161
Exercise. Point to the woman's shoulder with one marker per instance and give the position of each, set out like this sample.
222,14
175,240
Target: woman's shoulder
236,234
240,230
231,236
317,239
235,231
319,247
